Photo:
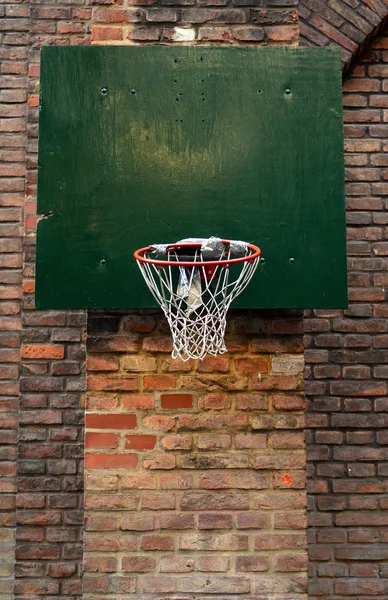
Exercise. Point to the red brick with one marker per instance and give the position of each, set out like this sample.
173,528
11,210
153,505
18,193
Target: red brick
289,520
69,27
102,363
38,552
252,563
158,501
106,33
280,382
277,500
136,324
174,401
139,481
100,564
214,383
110,502
252,365
177,521
139,363
176,481
140,442
213,364
228,542
111,383
101,440
201,500
214,34
213,441
176,564
252,520
158,382
291,562
102,402
111,421
215,521
138,523
251,402
94,523
118,343
159,422
138,401
138,564
288,440
160,461
157,344
42,352
290,402
265,541
36,587
62,570
212,563
250,440
107,461
157,542
177,442
214,422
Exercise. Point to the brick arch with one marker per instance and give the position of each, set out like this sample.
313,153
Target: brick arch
350,24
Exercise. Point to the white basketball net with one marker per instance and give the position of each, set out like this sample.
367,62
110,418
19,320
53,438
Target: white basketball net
195,299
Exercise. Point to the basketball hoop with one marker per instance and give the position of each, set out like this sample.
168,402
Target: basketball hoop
195,281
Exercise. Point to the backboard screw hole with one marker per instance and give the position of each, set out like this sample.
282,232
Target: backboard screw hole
103,261
262,260
176,99
133,92
201,58
292,260
175,60
175,81
288,92
104,91
259,91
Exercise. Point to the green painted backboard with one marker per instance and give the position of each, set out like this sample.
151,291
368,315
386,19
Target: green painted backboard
142,145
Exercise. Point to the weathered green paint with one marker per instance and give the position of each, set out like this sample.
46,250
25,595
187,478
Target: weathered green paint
239,142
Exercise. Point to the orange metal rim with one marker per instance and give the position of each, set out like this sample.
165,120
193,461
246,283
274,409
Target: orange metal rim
140,256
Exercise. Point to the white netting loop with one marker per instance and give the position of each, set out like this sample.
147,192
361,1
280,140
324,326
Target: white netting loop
194,282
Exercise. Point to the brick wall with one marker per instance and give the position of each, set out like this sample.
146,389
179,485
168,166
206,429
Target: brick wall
190,21
195,471
13,94
195,480
49,513
349,24
347,380
347,365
